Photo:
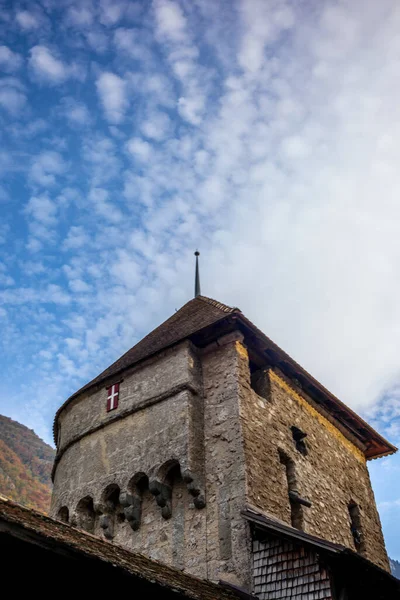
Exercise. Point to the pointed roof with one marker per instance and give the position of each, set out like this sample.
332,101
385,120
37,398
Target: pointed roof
197,314
201,315
193,316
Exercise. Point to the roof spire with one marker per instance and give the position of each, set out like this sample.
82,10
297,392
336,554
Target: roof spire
197,291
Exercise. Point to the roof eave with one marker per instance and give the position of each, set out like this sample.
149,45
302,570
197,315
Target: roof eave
383,447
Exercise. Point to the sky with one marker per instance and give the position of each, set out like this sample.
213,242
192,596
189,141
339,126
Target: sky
263,132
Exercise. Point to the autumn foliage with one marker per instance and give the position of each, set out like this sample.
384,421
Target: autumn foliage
25,465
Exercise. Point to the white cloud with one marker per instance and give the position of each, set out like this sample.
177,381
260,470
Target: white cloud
134,44
9,61
76,112
113,95
42,209
100,154
191,109
79,286
103,206
171,22
111,11
264,23
176,40
126,270
46,167
97,40
76,238
12,95
48,68
157,126
139,149
26,20
80,16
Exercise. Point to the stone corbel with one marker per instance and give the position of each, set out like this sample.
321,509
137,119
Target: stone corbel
107,525
106,521
132,505
163,496
194,489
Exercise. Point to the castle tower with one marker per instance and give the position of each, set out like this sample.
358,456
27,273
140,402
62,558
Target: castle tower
203,431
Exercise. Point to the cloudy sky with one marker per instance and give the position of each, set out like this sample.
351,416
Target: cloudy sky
264,132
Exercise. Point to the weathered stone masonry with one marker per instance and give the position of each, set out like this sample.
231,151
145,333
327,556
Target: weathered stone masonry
201,432
197,428
332,475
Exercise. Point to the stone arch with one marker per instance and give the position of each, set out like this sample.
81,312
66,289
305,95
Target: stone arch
63,514
161,487
138,483
112,509
132,500
85,514
170,470
165,469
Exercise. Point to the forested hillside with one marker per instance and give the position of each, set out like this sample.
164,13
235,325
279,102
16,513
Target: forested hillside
25,465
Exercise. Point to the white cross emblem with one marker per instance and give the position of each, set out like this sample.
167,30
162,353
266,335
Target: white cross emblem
112,396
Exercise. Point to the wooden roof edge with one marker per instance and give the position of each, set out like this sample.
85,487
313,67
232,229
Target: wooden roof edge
278,528
383,446
51,531
259,518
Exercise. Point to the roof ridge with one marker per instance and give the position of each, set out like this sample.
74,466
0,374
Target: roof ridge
220,305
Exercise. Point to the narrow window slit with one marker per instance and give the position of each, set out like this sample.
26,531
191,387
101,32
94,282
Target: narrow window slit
356,527
296,501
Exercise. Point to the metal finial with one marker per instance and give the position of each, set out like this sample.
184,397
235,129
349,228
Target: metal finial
197,291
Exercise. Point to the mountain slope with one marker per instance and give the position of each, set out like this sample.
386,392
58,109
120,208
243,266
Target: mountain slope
25,465
395,567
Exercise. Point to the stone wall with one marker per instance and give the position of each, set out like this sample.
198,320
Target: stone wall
171,435
142,385
332,475
168,472
228,535
153,439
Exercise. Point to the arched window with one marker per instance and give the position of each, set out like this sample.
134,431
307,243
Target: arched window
356,526
63,514
85,514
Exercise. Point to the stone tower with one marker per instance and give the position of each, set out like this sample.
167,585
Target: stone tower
206,418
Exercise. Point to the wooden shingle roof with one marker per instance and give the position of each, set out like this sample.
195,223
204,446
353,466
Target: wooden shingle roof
194,315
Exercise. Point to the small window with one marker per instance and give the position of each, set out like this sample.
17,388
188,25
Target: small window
112,397
299,440
259,381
